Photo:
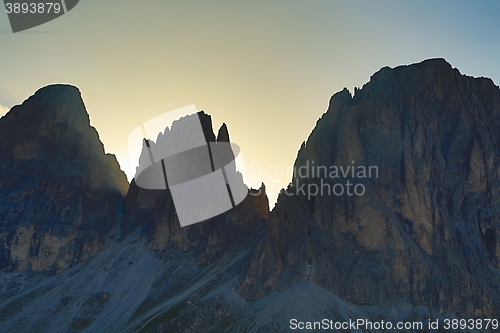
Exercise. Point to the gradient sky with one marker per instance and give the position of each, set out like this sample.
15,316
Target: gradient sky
265,68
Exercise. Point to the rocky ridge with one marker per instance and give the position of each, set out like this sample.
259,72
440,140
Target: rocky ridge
427,229
421,243
154,211
59,189
142,263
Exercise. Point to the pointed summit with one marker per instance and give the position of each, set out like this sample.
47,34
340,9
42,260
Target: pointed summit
58,187
223,134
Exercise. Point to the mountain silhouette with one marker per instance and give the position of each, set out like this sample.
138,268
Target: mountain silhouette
59,191
426,231
83,251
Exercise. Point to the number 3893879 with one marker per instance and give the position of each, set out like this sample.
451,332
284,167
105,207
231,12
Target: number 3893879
32,8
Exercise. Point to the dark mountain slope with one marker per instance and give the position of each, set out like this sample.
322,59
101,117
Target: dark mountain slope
154,211
143,266
59,190
427,229
420,243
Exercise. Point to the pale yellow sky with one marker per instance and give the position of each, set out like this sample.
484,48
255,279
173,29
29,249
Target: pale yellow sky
3,110
266,69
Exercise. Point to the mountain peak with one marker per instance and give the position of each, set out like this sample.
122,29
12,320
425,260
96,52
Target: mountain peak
55,171
431,132
223,134
56,102
53,125
430,67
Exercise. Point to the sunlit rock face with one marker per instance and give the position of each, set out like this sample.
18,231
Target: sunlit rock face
427,228
59,190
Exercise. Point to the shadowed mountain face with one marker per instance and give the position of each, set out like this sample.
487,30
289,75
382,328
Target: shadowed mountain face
427,230
154,211
421,242
59,191
148,267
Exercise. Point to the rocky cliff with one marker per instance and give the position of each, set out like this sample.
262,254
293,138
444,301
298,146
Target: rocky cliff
427,229
59,189
118,262
419,241
154,210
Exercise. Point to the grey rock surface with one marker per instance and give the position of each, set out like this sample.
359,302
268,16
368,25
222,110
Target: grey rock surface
154,211
420,244
427,230
59,190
